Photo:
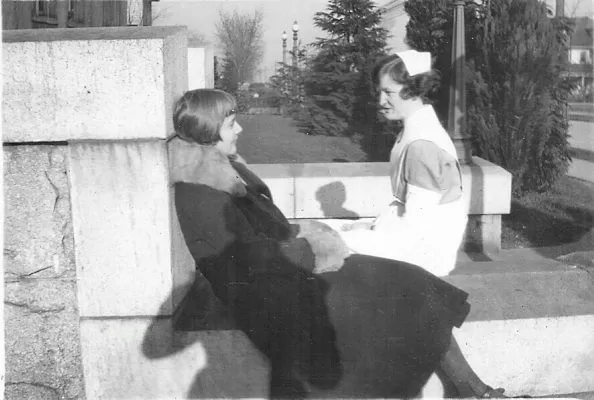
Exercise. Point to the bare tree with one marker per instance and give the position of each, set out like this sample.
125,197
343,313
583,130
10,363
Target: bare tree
574,9
163,14
240,38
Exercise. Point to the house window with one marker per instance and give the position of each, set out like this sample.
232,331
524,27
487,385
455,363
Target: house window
586,57
48,9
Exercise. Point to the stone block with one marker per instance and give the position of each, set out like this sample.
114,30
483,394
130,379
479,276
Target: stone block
483,233
536,325
200,67
124,229
42,340
144,358
363,189
487,187
341,191
38,238
534,356
520,295
127,93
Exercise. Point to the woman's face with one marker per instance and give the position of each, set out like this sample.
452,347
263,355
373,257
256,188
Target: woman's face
390,101
229,133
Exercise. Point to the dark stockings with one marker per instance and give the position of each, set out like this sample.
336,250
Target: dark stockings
460,373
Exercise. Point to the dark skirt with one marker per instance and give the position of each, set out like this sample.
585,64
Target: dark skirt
375,328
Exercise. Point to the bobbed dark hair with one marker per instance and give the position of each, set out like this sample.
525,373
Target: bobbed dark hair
420,85
199,114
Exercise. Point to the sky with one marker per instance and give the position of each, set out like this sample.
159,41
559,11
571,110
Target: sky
201,16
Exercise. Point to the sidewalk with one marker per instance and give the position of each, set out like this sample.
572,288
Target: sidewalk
581,140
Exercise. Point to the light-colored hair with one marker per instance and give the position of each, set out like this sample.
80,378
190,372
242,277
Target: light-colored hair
199,114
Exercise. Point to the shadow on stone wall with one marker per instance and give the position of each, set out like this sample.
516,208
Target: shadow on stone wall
332,198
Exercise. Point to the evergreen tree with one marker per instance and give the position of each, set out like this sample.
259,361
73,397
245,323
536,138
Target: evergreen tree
340,99
430,29
229,79
516,92
289,82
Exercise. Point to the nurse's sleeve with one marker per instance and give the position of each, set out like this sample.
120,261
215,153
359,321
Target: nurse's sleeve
431,175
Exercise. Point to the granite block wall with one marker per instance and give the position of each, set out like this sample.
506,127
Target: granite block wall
43,355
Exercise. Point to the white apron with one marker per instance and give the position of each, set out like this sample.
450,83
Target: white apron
415,227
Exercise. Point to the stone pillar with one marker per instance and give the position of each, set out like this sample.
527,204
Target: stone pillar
560,8
62,13
457,104
200,67
95,257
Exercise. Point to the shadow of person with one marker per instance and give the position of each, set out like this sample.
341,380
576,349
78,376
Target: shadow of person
331,197
286,321
225,350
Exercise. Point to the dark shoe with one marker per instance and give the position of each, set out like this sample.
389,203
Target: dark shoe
491,393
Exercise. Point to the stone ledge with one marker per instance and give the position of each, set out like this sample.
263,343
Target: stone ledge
97,33
534,356
529,332
524,295
76,95
359,190
334,191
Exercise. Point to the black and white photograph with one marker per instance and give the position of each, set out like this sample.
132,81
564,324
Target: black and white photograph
297,199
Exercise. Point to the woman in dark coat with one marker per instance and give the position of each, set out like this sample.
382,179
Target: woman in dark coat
317,312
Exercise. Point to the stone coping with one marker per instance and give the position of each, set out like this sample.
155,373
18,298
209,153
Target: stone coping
77,94
512,293
100,33
362,190
522,295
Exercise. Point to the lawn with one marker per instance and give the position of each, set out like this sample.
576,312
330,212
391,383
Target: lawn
269,139
563,215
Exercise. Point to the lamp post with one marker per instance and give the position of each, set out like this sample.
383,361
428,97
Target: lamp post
295,32
457,105
284,37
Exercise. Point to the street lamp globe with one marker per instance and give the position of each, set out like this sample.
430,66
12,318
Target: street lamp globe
295,27
284,35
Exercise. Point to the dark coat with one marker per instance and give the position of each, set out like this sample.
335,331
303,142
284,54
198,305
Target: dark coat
310,326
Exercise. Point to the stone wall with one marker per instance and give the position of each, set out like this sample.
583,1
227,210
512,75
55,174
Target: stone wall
43,355
93,254
331,191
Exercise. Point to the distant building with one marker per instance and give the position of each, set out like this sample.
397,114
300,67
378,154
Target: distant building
394,19
23,14
581,48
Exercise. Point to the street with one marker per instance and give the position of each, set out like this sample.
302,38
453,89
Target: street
582,142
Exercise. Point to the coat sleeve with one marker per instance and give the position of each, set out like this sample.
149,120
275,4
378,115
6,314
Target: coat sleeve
214,227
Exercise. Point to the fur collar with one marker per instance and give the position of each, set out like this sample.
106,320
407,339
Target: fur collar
205,165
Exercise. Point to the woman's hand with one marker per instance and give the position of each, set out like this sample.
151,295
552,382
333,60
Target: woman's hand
327,245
